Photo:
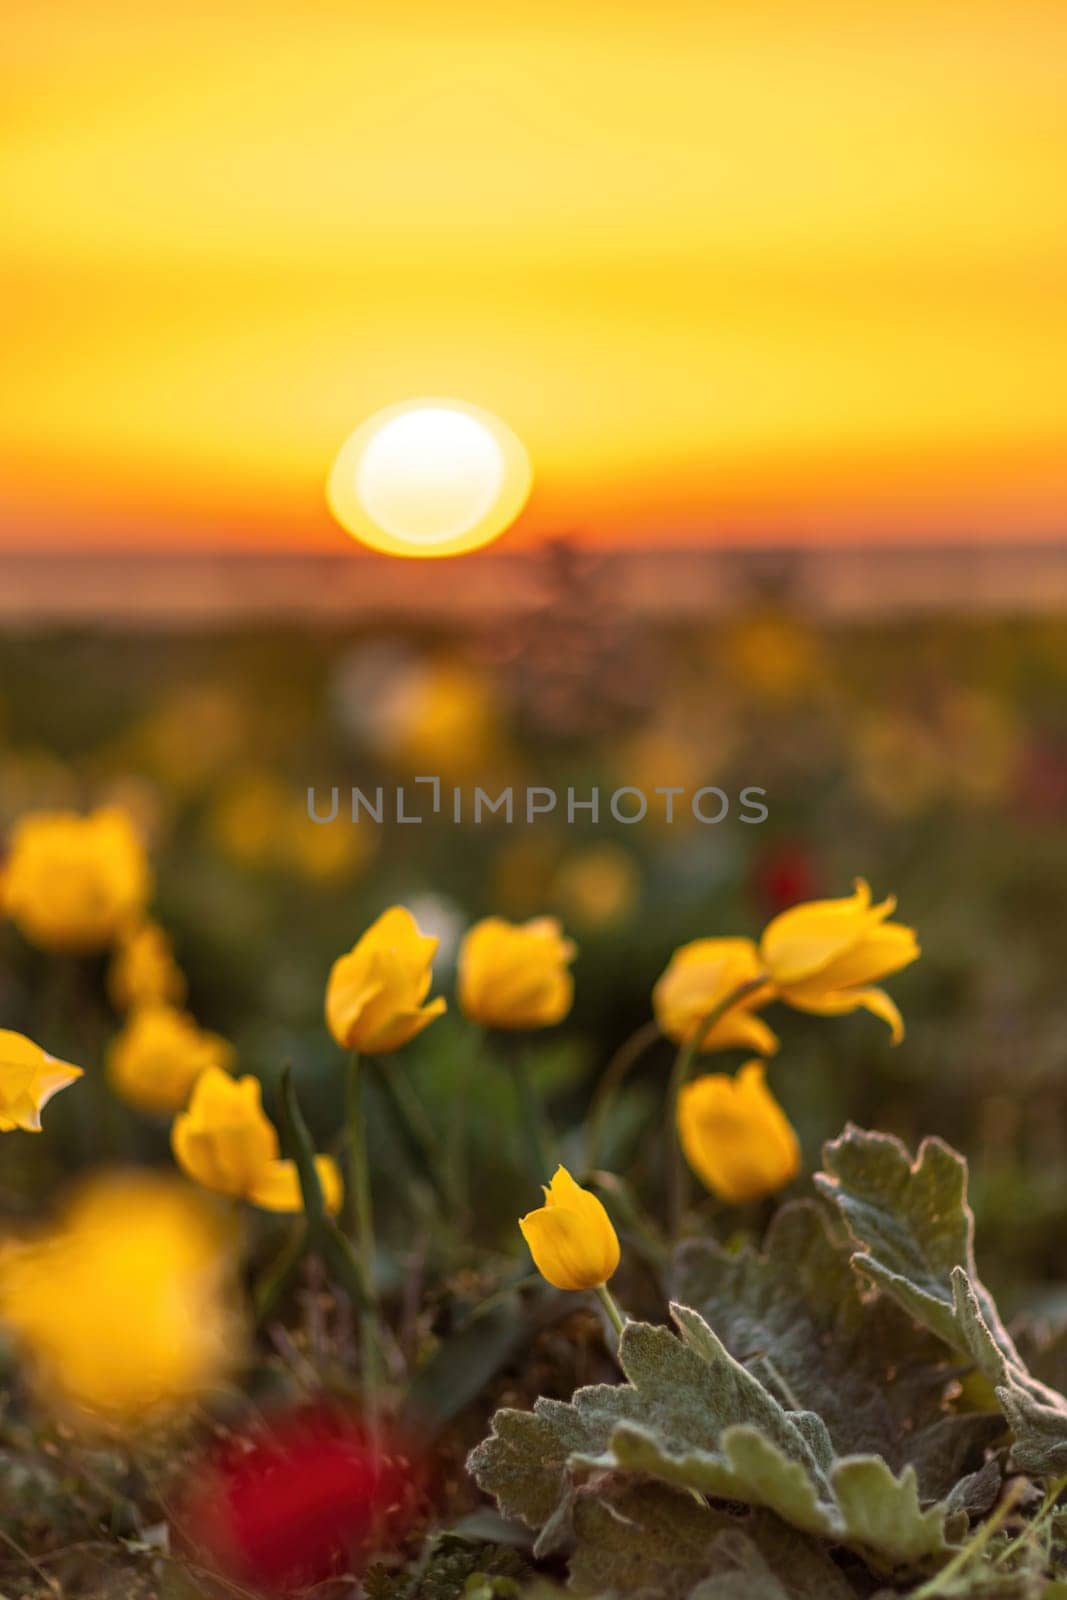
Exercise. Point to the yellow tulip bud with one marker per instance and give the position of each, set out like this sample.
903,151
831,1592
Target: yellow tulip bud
699,977
375,993
225,1142
735,1135
143,970
571,1237
72,882
159,1055
29,1077
515,975
824,956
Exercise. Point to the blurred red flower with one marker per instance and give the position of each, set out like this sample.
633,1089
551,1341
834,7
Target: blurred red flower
783,875
308,1500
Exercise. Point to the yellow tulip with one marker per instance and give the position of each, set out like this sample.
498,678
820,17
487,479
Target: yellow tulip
127,1306
159,1055
514,975
375,993
72,882
735,1135
143,970
29,1077
699,977
571,1238
225,1142
825,955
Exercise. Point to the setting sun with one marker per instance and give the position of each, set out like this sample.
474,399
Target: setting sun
429,478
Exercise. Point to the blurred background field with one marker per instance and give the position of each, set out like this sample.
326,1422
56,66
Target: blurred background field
928,754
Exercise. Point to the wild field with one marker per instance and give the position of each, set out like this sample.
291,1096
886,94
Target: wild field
780,1101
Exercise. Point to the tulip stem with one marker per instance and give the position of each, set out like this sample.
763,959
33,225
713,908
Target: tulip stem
531,1115
615,1316
361,1201
683,1064
626,1056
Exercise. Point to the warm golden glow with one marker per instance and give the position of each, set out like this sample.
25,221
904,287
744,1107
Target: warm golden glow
429,478
743,273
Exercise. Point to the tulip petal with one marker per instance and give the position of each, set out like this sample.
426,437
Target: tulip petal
742,1030
277,1188
844,1002
879,953
880,1005
567,1251
403,1026
735,1135
806,938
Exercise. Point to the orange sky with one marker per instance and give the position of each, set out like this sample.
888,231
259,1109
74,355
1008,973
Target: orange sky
790,269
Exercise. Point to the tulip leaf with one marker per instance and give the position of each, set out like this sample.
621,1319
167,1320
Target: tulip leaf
798,1315
323,1234
468,1359
916,1233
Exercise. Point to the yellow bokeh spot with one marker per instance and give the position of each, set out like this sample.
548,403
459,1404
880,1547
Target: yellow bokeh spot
429,478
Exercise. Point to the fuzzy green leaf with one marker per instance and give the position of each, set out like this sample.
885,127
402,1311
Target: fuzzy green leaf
799,1317
916,1232
913,1224
646,1543
1037,1415
686,1390
768,1561
693,1418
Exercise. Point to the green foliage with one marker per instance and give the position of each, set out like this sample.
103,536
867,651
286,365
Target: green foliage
453,1567
916,1233
796,1435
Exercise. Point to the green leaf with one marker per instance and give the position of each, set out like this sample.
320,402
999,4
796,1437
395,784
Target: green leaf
916,1232
913,1224
646,1543
693,1418
323,1234
687,1391
799,1317
461,1366
1037,1415
768,1561
299,1142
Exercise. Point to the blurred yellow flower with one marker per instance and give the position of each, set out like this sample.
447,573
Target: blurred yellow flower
514,975
442,717
570,1237
599,886
323,852
74,882
29,1077
375,993
823,956
698,977
775,657
225,1142
143,970
159,1055
249,819
126,1308
735,1135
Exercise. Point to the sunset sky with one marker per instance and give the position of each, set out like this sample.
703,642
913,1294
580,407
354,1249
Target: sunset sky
792,270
